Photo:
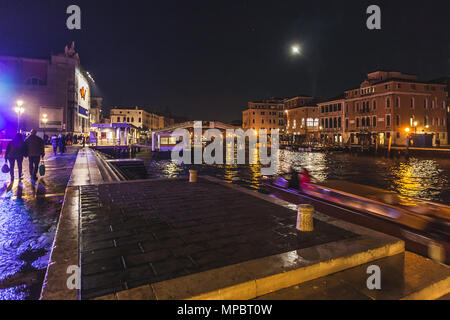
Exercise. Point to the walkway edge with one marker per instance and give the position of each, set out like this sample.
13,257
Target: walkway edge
64,252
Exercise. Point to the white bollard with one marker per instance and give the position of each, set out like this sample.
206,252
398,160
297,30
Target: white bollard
305,217
192,175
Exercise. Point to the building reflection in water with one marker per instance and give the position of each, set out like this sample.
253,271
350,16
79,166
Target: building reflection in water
418,178
425,179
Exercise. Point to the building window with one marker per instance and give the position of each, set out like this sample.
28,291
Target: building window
374,121
397,102
412,103
357,122
346,123
388,120
388,102
118,119
35,82
397,120
374,105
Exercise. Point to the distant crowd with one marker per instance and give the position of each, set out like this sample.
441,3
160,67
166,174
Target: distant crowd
33,147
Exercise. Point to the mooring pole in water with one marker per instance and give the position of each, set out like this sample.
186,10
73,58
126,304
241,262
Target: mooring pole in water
389,146
305,217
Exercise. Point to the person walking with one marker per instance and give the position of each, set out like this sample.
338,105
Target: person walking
61,143
15,151
54,142
35,151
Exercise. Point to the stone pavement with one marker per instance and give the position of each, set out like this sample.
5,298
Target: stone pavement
403,276
28,217
170,239
137,233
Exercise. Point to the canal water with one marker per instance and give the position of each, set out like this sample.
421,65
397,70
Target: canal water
422,178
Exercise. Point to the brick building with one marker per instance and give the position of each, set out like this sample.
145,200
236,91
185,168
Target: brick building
331,112
303,123
140,118
266,114
397,105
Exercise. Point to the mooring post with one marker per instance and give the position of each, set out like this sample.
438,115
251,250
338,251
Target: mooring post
192,176
305,217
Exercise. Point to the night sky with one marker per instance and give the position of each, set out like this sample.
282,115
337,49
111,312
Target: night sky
206,59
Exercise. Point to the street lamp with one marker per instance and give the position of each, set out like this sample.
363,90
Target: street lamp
19,109
44,121
415,127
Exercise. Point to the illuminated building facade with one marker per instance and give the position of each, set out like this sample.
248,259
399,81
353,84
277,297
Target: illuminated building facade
55,87
302,123
266,114
270,113
331,120
140,118
393,105
388,106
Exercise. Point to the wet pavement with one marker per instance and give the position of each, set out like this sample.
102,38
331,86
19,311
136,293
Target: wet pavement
28,218
136,233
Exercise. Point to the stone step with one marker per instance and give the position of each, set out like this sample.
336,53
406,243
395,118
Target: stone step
259,277
405,276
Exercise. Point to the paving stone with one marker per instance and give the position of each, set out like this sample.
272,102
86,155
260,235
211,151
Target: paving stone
147,257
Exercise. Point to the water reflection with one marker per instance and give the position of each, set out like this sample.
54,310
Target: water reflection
417,178
426,179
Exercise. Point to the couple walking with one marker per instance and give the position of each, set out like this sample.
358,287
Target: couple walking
33,148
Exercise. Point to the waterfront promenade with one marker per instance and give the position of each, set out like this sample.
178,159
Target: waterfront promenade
28,217
171,239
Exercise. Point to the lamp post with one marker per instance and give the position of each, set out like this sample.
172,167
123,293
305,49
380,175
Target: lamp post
44,121
19,109
415,127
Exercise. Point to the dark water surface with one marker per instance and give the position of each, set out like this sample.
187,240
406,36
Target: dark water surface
423,178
